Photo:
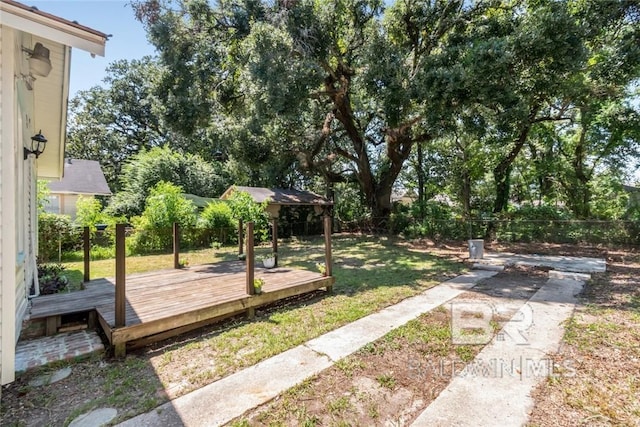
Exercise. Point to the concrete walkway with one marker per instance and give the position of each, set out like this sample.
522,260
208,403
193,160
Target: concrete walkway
230,397
470,399
495,388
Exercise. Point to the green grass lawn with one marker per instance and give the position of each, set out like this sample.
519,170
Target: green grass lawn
378,261
371,273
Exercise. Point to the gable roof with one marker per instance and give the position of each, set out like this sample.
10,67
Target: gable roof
81,177
280,196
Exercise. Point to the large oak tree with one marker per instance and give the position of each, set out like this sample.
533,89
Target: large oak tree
337,87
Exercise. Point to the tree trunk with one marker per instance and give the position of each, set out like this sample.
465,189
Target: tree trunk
421,180
502,177
376,188
502,173
580,197
465,192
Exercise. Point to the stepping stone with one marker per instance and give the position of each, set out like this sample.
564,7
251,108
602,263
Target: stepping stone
51,377
95,418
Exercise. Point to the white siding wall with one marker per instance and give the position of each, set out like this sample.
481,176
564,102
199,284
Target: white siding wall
24,130
8,250
1,151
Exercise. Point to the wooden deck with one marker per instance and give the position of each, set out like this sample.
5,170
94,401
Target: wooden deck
165,303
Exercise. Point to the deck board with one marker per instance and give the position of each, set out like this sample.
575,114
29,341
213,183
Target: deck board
174,300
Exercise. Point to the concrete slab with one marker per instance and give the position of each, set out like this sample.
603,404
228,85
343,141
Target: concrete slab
95,418
561,263
494,389
222,401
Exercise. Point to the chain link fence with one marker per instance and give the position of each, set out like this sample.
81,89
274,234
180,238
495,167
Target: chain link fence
503,230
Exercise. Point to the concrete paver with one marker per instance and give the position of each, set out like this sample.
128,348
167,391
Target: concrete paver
50,377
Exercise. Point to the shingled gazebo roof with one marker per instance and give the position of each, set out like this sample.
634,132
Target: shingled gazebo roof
280,196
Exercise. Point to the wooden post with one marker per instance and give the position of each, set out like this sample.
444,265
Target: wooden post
327,247
120,276
176,245
120,286
240,235
86,244
274,227
251,290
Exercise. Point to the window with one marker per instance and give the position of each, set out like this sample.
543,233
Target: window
53,206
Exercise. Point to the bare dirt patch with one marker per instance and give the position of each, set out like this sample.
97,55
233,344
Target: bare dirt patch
601,348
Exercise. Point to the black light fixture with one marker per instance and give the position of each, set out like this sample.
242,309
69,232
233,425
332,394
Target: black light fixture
38,143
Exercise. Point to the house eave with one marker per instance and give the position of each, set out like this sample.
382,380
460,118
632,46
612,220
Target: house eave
77,193
51,27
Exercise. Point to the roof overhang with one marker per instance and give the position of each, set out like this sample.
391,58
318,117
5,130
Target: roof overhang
51,93
78,193
51,27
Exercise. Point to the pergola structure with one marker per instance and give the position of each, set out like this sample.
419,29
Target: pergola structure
276,198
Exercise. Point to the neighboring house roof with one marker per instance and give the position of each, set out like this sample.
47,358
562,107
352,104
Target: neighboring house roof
279,196
81,177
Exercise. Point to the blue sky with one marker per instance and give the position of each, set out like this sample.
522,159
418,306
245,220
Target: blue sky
114,17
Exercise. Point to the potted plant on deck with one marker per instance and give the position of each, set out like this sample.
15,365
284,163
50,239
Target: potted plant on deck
269,261
257,285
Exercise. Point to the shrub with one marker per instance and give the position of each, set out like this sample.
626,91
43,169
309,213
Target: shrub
243,207
88,212
164,206
55,233
51,279
217,219
440,222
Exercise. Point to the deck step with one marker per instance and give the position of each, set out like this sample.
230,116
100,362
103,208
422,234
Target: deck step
38,352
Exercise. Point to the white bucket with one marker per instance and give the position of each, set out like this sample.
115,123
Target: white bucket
476,248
